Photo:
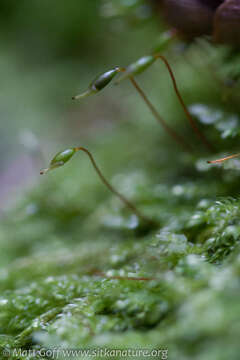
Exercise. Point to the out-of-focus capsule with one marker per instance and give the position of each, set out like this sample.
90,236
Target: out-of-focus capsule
137,67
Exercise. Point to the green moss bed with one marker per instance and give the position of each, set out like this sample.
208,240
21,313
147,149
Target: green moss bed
79,271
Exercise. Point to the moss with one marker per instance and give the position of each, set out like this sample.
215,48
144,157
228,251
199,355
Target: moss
77,271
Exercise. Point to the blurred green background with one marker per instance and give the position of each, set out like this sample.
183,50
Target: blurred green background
49,52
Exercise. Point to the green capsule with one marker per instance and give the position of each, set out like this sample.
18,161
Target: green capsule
104,79
138,67
164,41
63,156
99,83
59,159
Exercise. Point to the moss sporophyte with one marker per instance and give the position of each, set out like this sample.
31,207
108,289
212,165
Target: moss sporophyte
221,160
59,160
104,79
99,83
62,157
129,73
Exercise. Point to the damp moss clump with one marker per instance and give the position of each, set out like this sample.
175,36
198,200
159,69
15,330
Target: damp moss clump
78,270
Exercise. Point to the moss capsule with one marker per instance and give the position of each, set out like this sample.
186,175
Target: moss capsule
164,40
104,79
59,159
99,83
137,67
62,157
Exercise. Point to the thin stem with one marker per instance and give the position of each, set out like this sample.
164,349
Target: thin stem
191,120
113,190
178,138
116,277
223,159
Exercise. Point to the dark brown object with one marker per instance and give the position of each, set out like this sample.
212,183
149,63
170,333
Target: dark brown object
192,18
227,23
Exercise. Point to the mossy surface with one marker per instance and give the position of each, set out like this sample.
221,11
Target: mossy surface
79,271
